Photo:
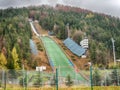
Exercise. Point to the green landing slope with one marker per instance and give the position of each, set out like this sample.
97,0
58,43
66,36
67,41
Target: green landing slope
59,60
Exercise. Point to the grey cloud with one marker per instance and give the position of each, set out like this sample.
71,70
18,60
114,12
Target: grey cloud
111,7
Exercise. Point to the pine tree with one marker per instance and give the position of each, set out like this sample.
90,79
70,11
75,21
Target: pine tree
38,79
96,78
108,81
69,81
53,81
115,76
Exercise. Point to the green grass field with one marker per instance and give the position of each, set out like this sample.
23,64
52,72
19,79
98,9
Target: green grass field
59,59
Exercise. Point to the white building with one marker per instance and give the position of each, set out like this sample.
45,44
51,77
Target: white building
84,43
41,68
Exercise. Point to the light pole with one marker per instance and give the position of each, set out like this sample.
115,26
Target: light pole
68,29
113,41
23,75
90,69
118,72
56,79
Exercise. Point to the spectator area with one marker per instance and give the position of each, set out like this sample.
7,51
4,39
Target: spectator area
74,47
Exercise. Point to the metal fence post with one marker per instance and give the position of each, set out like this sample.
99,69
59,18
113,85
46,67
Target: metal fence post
26,80
91,83
2,83
118,77
56,79
23,71
5,80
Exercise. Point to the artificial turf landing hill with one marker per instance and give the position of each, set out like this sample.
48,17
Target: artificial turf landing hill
59,60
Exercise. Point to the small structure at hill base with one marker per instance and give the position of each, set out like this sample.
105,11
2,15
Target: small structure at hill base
41,68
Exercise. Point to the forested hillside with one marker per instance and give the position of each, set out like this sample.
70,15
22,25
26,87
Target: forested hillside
15,33
99,29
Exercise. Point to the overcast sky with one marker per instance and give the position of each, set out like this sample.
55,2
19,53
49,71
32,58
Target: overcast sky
111,7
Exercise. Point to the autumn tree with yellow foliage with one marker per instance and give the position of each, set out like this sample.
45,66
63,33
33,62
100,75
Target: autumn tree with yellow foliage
15,58
3,60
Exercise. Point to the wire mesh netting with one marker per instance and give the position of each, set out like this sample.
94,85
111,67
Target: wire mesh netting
38,79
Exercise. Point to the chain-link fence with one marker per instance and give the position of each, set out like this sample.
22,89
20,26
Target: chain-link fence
106,77
37,79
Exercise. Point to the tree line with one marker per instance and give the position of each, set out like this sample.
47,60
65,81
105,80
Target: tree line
15,33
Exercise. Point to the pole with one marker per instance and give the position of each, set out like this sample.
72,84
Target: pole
68,30
59,79
26,80
23,75
118,76
56,79
2,83
39,77
91,83
75,80
106,77
114,51
5,76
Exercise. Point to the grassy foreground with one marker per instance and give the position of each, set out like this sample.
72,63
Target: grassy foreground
66,88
